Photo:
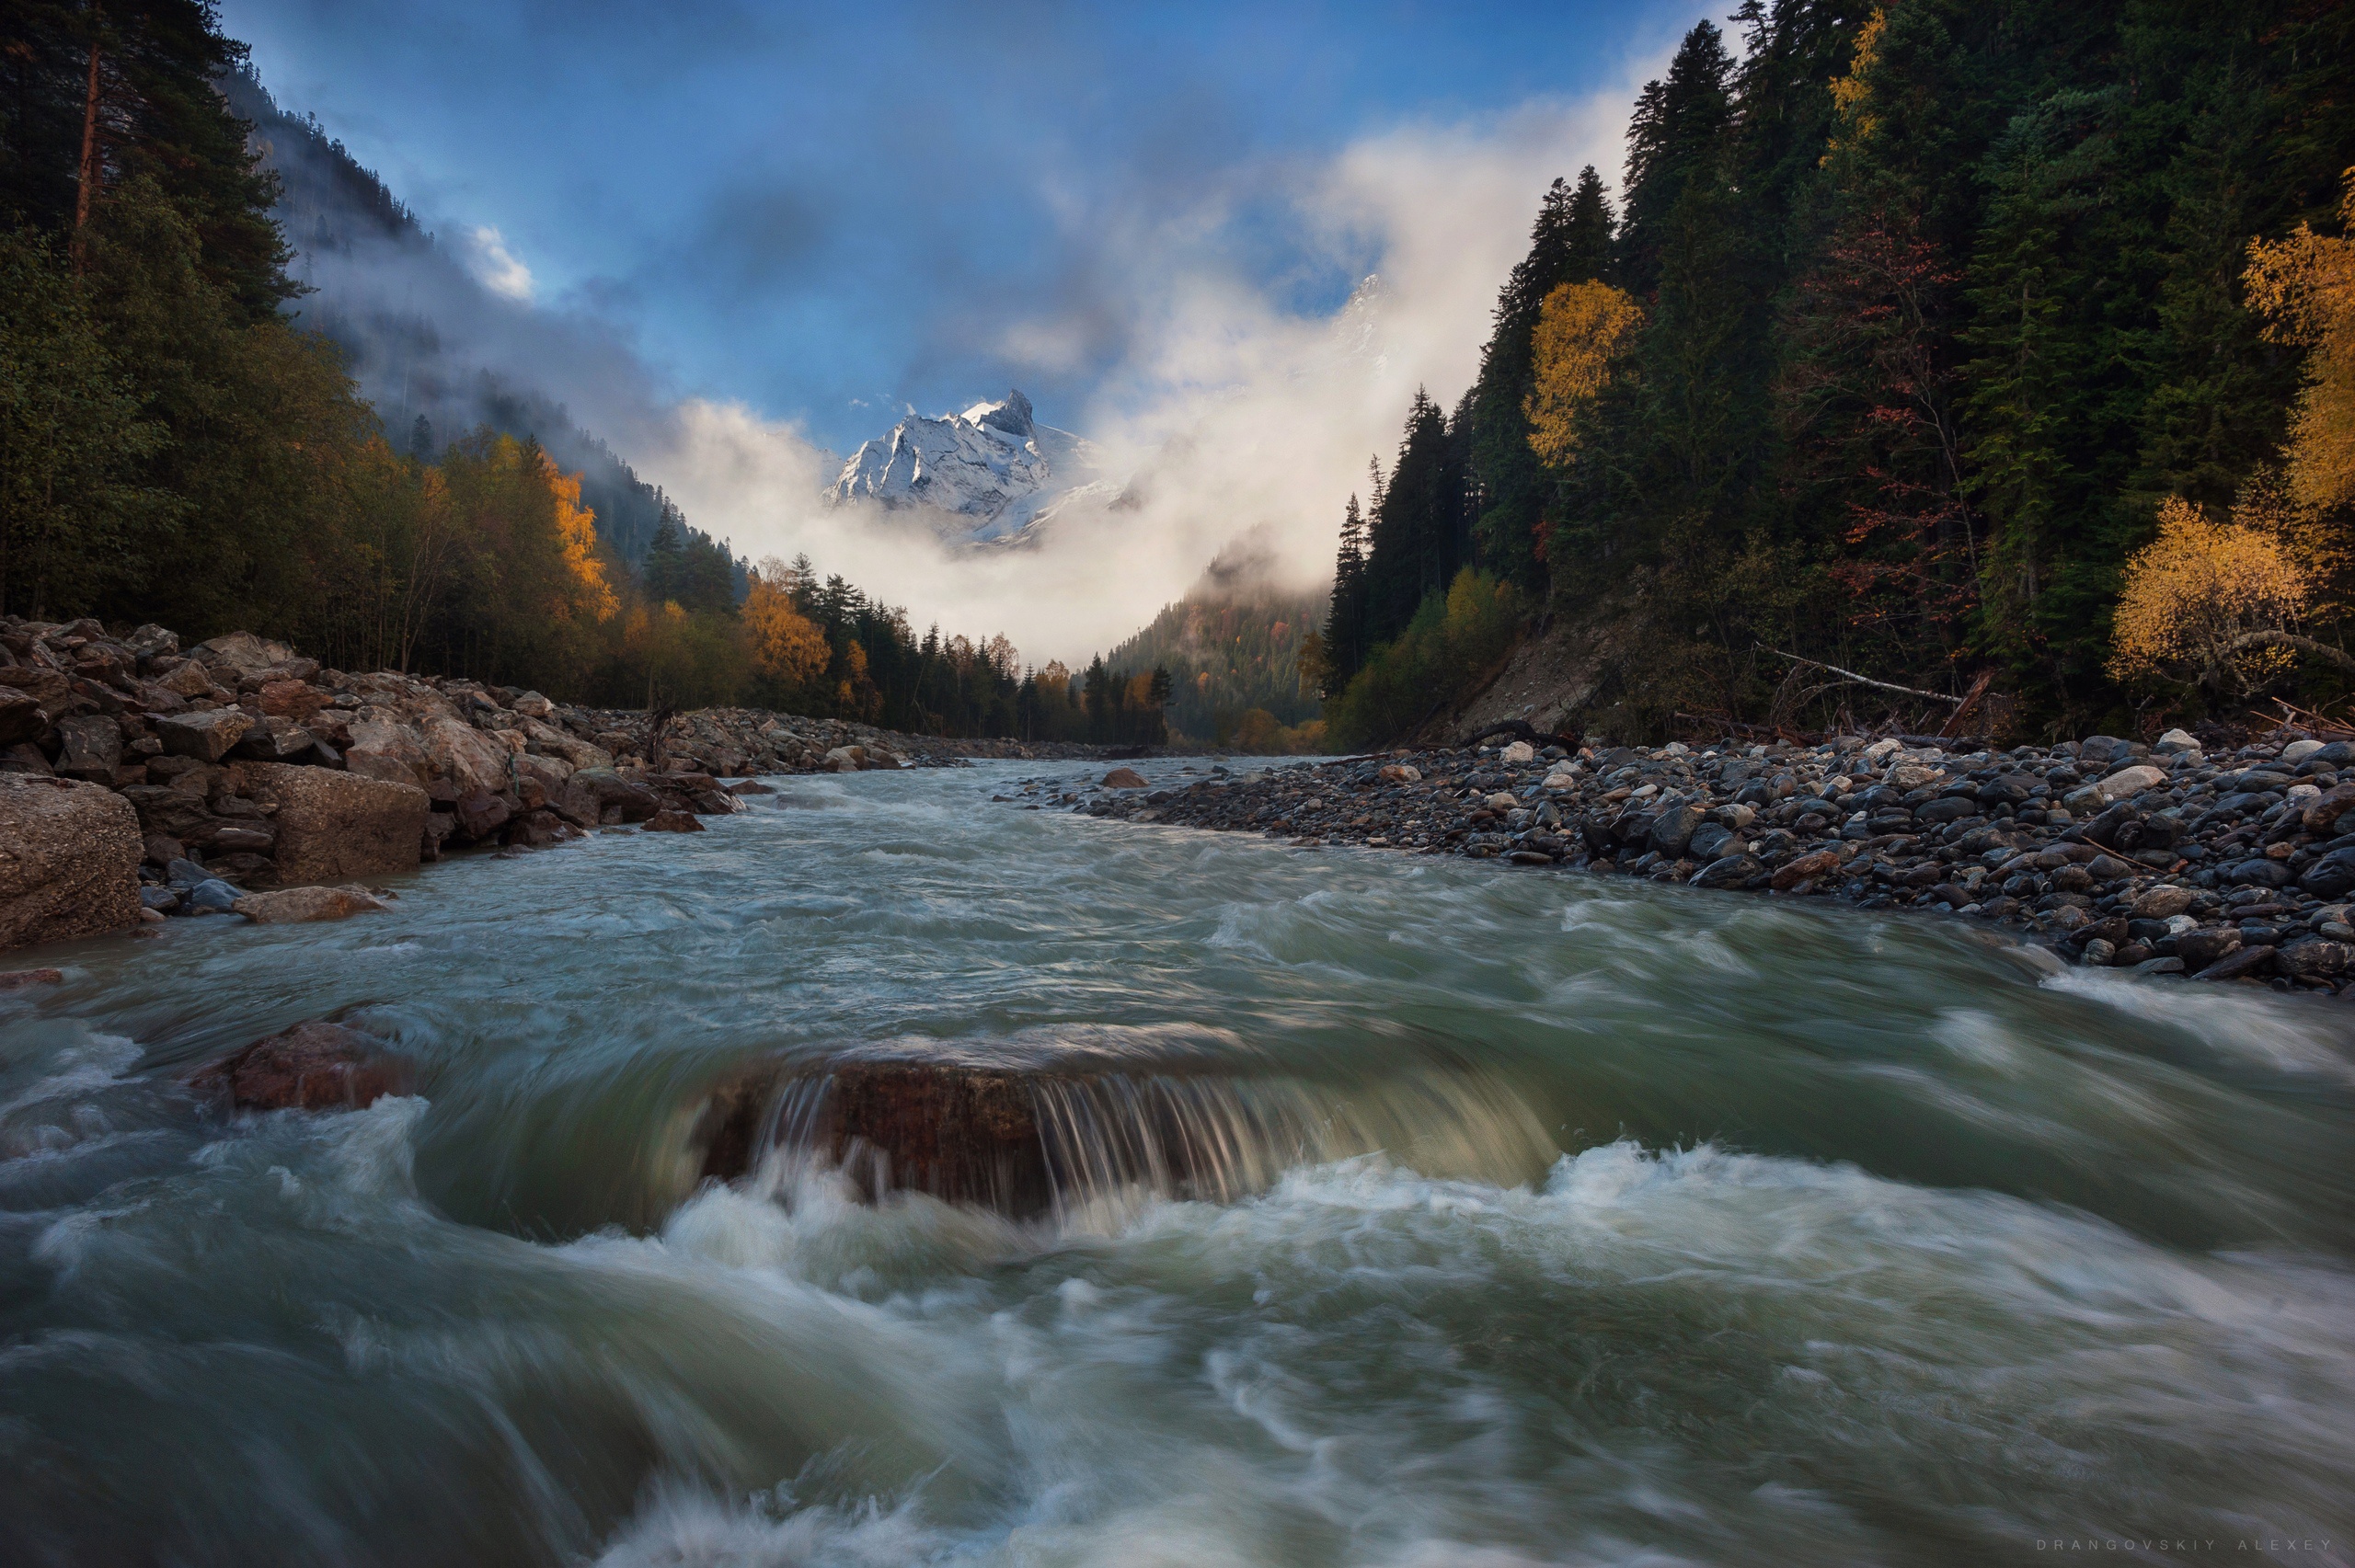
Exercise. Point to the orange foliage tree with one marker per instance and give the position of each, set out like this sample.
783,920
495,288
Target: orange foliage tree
2211,602
1581,328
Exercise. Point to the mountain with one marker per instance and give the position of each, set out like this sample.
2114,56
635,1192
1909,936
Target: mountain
417,328
1231,645
992,474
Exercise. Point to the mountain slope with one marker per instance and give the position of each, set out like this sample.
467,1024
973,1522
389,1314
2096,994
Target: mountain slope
408,317
1231,645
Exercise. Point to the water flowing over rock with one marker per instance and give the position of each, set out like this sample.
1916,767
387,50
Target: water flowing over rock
1035,1137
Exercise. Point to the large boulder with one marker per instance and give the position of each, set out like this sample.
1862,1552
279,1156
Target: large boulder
334,827
960,1132
312,1067
69,860
469,758
599,794
384,748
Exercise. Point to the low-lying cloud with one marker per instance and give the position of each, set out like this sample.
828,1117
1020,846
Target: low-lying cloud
1236,414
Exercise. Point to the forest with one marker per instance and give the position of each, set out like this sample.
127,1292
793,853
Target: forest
1998,353
175,448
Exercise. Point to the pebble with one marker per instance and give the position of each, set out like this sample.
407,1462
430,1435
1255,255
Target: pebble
2107,852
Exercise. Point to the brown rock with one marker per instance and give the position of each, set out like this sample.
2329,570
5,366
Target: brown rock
312,1067
189,678
2240,962
207,736
536,830
245,652
274,740
2198,949
333,827
1806,867
481,814
296,905
383,748
2324,810
961,1133
1124,778
2162,901
21,979
21,717
48,688
69,860
91,748
297,700
672,822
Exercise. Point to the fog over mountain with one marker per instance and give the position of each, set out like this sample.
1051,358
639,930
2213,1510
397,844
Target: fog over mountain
1233,411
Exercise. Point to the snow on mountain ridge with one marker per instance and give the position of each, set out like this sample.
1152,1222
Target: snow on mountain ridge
992,474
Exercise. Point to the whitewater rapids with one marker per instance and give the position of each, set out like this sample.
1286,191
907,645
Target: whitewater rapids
1555,1220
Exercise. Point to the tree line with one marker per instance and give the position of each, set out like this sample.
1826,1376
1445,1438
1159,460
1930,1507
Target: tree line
1908,332
172,448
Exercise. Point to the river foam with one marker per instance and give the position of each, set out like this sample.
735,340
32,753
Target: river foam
1565,1224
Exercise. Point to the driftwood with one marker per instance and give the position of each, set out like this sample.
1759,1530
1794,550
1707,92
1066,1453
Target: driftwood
1522,729
1959,703
1970,701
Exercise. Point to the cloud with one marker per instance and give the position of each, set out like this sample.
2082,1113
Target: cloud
500,270
1239,412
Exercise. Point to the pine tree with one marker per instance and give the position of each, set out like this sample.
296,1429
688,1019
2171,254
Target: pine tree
1344,635
1570,242
1673,138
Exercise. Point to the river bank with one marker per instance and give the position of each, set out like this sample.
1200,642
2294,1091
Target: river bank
2112,853
140,780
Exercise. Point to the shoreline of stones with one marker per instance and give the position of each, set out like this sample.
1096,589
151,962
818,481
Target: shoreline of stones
249,767
2112,853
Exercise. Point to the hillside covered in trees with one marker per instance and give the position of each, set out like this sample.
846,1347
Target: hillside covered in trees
177,444
1916,341
1233,646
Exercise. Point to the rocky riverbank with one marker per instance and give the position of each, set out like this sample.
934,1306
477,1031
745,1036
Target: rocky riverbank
140,778
2114,853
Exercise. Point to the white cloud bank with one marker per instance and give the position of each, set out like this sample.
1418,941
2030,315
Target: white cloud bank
1239,415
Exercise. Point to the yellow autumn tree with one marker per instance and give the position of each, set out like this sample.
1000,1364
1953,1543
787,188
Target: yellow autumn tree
786,645
1581,328
2211,602
576,531
2304,286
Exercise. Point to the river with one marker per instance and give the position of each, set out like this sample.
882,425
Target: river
1569,1221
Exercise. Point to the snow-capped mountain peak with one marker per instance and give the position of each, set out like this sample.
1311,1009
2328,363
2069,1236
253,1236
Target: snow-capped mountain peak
992,474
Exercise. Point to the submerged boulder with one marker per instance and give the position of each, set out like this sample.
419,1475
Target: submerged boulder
956,1131
311,1067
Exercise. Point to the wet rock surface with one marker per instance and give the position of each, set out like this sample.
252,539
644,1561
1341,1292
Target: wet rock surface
2114,853
311,1067
960,1132
258,768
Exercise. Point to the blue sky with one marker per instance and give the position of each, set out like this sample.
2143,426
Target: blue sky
822,213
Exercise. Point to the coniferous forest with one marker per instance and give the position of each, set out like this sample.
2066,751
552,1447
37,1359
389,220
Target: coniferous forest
2003,352
175,447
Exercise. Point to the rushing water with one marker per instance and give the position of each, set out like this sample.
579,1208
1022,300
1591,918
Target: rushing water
1561,1220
